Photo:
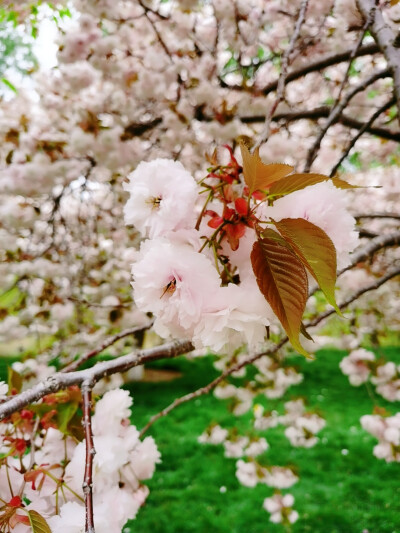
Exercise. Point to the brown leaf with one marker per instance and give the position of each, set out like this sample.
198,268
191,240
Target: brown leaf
316,251
282,280
296,182
258,175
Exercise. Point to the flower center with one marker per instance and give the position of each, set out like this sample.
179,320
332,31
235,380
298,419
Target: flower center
169,288
154,202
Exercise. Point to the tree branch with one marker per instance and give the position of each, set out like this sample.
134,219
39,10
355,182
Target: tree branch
383,241
87,485
378,215
323,112
63,380
384,37
107,343
207,388
362,130
317,66
322,64
283,75
372,286
337,110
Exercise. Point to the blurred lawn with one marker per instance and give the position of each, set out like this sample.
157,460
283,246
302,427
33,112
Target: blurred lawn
343,488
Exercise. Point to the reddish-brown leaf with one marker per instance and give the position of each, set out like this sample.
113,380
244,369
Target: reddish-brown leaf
296,182
282,280
259,175
315,249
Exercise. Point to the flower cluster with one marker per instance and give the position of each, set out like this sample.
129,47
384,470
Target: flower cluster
361,365
387,431
301,426
210,267
43,459
280,507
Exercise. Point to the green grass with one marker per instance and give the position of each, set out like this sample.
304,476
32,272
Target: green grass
336,493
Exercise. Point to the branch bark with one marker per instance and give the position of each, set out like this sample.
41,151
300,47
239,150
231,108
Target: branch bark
63,380
283,74
360,132
337,110
106,344
324,112
87,485
384,37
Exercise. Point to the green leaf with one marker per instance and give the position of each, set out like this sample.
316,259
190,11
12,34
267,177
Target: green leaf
297,182
258,175
315,250
9,85
282,280
14,380
38,523
65,413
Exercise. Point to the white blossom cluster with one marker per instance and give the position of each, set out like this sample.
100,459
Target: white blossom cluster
175,275
280,507
361,365
387,431
301,426
50,476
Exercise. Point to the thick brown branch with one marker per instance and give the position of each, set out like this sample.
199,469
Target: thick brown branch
384,37
62,380
323,112
317,66
322,64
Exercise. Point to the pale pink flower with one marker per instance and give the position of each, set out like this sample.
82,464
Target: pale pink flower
247,473
162,197
174,282
144,457
355,365
111,410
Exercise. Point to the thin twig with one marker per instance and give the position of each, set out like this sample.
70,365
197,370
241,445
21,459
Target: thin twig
353,54
337,110
87,485
106,344
280,94
372,286
207,388
361,131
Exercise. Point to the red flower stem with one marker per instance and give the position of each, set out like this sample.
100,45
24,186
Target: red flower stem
87,485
